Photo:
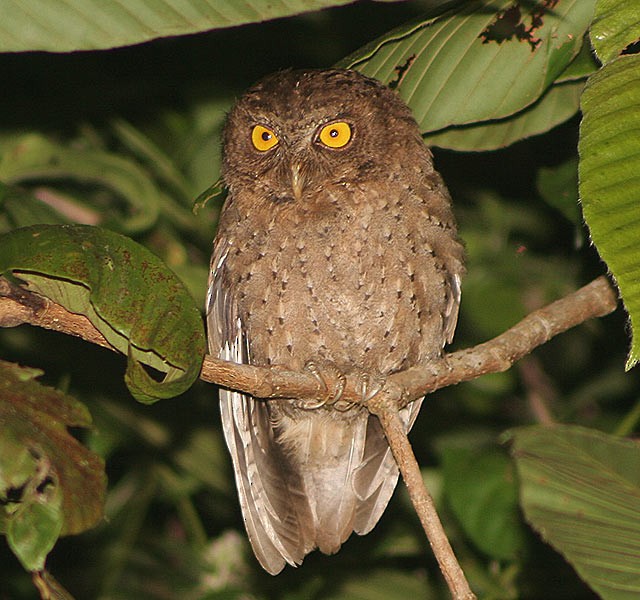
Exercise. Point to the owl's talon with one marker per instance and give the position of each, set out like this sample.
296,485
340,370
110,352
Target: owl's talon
332,380
369,386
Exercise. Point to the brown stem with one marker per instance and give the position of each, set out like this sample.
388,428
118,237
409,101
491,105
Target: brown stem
384,406
540,392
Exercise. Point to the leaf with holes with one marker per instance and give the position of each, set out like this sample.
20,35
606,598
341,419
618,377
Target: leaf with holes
486,61
50,484
616,24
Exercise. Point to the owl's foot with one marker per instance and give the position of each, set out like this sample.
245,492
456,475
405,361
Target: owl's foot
333,381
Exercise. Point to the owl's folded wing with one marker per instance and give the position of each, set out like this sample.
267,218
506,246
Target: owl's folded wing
267,494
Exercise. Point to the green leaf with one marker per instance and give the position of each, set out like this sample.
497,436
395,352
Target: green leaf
559,103
583,65
616,24
609,173
50,484
128,293
580,489
475,65
481,489
34,157
67,25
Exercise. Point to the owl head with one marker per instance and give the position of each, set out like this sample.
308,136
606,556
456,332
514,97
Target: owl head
296,133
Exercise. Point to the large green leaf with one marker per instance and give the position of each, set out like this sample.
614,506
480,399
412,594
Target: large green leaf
616,24
580,489
477,64
129,295
609,172
67,25
559,103
50,484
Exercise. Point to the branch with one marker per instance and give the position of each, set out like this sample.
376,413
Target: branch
596,299
384,406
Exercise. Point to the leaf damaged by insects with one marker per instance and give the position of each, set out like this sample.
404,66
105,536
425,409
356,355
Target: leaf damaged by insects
50,484
510,24
401,71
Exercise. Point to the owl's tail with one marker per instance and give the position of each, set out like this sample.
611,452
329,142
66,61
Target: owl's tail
347,470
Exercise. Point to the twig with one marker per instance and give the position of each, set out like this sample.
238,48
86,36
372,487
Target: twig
384,406
539,389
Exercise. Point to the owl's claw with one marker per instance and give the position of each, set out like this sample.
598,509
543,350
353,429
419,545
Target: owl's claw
369,385
333,381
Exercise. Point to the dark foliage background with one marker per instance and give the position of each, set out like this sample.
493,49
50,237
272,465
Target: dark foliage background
173,527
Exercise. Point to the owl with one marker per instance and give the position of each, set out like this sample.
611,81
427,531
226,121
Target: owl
337,252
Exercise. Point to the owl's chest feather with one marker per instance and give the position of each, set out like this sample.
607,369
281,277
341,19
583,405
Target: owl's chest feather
359,286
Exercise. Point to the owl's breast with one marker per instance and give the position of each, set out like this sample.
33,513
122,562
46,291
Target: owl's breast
358,286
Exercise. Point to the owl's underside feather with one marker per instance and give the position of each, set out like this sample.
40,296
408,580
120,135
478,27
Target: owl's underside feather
348,258
333,490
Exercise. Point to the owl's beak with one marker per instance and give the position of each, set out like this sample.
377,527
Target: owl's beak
297,181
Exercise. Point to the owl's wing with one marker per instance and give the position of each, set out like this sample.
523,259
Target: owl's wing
266,492
450,315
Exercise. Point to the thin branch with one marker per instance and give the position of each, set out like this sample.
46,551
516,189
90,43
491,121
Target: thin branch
384,406
539,390
595,299
18,306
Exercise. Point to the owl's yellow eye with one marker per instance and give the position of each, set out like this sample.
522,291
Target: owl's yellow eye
335,135
263,139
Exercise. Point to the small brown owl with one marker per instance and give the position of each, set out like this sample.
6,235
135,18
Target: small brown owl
336,248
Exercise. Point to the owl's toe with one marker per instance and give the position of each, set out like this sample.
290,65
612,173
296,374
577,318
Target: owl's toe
333,382
369,385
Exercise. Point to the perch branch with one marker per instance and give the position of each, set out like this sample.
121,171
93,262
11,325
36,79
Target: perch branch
596,299
593,300
384,406
18,306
